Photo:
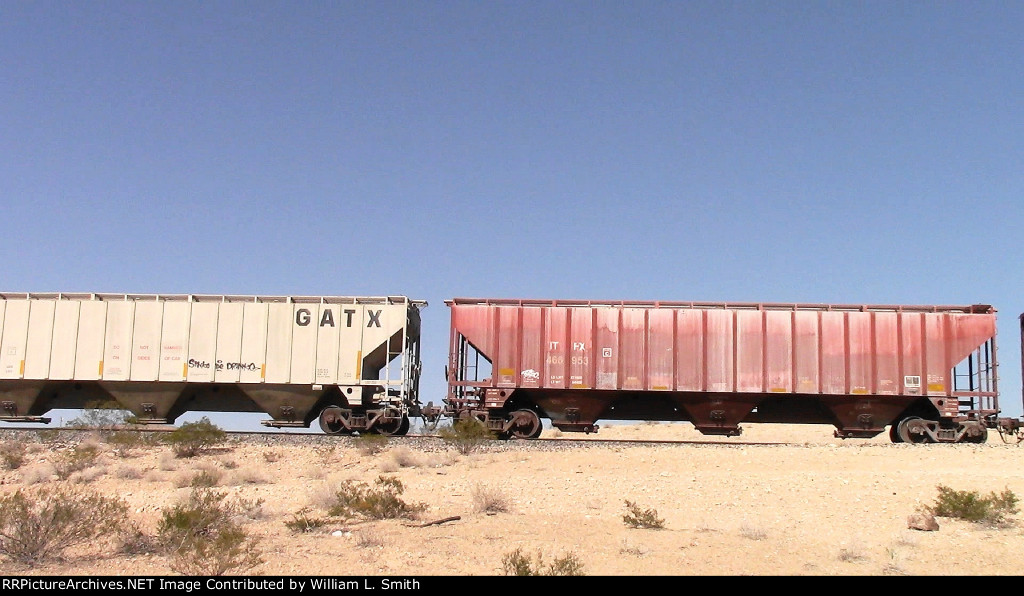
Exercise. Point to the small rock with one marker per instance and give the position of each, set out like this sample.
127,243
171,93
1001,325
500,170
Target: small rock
923,521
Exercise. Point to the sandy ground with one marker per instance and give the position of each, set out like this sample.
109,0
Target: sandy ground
808,504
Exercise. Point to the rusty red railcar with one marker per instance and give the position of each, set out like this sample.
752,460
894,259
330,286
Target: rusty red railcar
926,372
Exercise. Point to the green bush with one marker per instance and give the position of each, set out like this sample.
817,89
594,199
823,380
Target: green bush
41,525
102,415
194,438
517,563
203,538
993,509
383,502
466,435
302,521
642,518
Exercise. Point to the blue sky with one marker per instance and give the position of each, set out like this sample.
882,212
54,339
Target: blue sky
816,152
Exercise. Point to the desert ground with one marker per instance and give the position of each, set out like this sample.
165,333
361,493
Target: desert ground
779,500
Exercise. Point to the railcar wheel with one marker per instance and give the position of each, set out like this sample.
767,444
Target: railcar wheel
911,430
894,433
392,426
331,421
526,424
981,438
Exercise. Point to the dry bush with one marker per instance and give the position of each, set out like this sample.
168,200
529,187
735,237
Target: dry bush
133,542
628,548
204,475
128,473
354,499
155,476
78,458
37,474
752,532
404,457
322,496
370,538
124,443
303,521
371,444
40,525
12,455
852,554
325,454
490,500
647,519
167,462
87,475
207,478
203,538
247,476
519,564
905,539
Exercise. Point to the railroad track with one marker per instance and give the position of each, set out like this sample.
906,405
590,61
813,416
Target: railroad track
412,439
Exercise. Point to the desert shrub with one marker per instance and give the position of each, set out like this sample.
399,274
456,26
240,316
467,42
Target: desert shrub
629,548
247,476
128,473
517,563
194,438
647,519
752,532
490,500
42,524
207,478
79,458
466,435
12,454
48,435
102,415
993,509
403,457
125,442
369,538
134,541
203,538
383,502
304,521
371,444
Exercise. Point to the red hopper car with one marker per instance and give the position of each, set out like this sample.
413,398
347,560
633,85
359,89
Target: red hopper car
926,372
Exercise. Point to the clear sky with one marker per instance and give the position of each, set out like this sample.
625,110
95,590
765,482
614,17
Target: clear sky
816,152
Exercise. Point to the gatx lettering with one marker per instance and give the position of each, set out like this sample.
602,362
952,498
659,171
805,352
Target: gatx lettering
303,317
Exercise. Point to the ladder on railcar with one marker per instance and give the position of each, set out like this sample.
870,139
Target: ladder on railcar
975,383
